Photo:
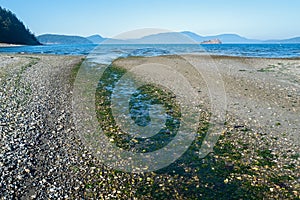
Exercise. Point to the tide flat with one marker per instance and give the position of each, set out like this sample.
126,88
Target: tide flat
257,156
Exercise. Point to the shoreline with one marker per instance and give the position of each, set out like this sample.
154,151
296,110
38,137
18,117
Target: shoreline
256,152
10,45
234,56
215,56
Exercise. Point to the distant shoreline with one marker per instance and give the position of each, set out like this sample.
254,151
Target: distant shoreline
10,45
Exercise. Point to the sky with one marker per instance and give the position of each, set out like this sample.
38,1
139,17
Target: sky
256,19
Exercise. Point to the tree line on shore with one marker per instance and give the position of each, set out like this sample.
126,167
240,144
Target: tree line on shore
13,31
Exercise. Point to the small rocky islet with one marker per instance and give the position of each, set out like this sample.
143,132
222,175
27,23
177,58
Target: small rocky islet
43,157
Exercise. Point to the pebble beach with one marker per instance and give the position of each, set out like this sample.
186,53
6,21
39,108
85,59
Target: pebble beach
257,155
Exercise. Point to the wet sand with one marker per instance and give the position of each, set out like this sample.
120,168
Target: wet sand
260,92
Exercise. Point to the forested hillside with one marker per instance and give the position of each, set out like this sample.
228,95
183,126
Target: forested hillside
62,39
13,31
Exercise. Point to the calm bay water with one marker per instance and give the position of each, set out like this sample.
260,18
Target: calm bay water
111,51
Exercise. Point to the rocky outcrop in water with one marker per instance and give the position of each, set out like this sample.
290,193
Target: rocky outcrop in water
213,41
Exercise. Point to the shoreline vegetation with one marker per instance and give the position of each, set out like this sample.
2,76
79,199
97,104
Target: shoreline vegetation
13,31
256,157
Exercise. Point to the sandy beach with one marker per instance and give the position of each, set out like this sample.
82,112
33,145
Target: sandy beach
41,155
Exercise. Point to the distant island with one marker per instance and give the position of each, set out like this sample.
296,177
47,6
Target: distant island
13,31
62,39
69,39
96,39
169,37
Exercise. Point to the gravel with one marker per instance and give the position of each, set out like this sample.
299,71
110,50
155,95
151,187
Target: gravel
38,142
42,157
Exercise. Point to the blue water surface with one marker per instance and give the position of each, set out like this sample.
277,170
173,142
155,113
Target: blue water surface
116,50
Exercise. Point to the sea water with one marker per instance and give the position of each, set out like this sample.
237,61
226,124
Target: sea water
112,51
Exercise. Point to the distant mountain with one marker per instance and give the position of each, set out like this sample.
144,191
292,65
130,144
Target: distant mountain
160,38
164,38
185,37
188,37
295,40
175,37
225,38
232,39
236,39
96,39
62,39
13,31
194,36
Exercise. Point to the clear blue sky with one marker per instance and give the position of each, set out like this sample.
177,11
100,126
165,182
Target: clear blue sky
259,19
